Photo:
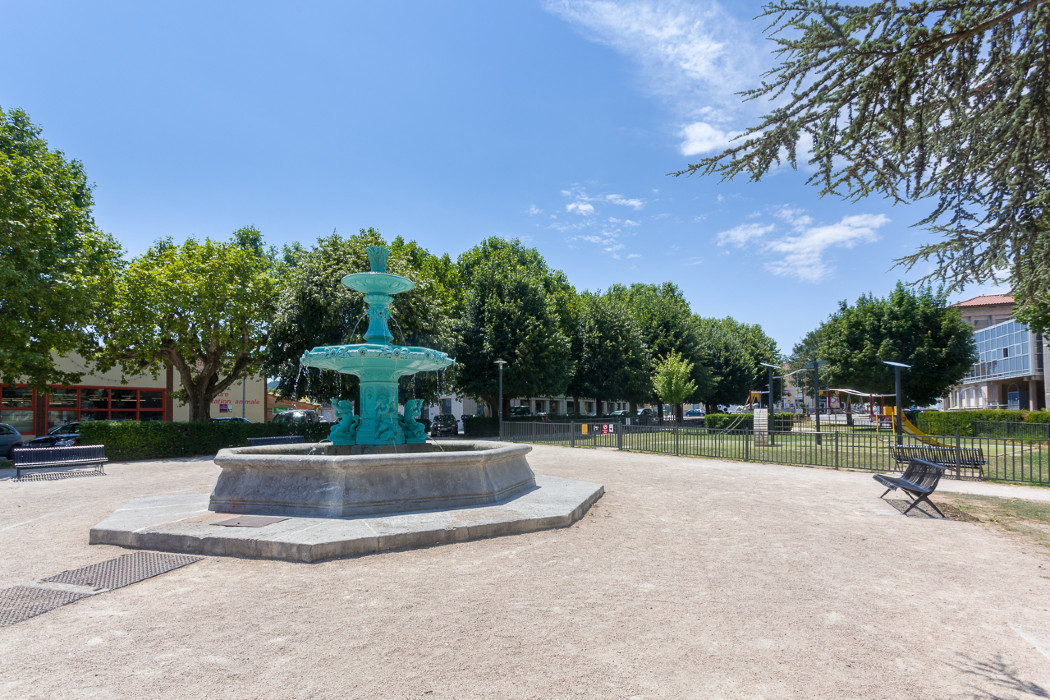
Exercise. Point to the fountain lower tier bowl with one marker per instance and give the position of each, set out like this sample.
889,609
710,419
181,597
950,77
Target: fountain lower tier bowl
289,480
360,359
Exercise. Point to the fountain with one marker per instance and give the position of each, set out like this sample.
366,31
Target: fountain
375,484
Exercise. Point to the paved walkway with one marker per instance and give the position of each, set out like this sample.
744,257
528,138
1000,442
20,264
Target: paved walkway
690,578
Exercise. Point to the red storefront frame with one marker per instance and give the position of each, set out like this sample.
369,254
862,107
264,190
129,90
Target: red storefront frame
66,404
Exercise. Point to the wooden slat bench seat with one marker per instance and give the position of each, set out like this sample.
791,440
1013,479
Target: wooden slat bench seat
956,458
919,480
27,458
276,440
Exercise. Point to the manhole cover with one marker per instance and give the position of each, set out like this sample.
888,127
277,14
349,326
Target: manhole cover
23,602
124,570
251,521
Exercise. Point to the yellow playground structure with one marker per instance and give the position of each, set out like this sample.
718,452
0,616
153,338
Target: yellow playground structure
908,427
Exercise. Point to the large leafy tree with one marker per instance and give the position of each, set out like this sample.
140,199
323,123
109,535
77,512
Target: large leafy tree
912,326
939,100
203,308
612,360
517,309
316,309
666,321
56,268
757,348
720,349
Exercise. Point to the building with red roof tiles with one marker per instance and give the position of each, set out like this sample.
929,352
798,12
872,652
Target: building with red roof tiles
1009,372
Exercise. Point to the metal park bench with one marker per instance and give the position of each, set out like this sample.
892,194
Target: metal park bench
276,440
957,458
26,458
918,482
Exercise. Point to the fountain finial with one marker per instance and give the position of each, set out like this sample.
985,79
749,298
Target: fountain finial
377,256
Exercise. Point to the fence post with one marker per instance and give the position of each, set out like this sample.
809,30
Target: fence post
619,436
836,449
675,441
749,435
572,434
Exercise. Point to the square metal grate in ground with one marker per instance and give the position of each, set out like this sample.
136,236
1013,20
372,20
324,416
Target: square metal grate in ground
23,602
124,570
251,521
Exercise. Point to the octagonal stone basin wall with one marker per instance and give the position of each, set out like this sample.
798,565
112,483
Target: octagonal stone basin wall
288,480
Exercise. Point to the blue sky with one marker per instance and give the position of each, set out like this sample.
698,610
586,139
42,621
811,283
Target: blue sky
447,123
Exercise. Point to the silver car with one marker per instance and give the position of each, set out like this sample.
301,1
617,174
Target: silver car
9,440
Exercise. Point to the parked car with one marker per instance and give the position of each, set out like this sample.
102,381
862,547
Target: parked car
646,412
62,436
444,424
694,413
297,416
10,438
231,419
620,413
520,411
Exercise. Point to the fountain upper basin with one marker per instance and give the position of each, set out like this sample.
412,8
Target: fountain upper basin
362,357
288,480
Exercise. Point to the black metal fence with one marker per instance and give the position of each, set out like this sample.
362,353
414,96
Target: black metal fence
1012,430
1005,459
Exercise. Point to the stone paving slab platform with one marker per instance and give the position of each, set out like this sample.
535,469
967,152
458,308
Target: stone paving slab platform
183,523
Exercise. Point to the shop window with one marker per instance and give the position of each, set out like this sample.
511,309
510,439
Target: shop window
94,398
124,399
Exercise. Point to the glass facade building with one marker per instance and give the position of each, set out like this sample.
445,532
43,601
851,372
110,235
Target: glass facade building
1004,351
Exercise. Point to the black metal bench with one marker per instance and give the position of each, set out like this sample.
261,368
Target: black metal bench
276,440
957,458
26,458
918,482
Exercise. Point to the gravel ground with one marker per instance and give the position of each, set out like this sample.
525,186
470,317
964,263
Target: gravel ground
689,578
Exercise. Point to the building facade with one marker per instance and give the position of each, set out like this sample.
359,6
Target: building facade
107,396
1010,369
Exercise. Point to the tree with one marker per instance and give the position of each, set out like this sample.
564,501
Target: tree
672,382
517,309
732,369
939,100
915,327
612,361
803,354
203,308
757,348
663,315
316,309
56,267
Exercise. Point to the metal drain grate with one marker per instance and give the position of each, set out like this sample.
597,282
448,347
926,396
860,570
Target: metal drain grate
23,602
122,571
251,521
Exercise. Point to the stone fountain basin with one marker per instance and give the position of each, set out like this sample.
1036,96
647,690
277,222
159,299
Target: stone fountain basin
289,480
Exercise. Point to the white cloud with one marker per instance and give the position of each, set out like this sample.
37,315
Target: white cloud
739,235
580,208
533,210
694,55
802,255
625,201
701,137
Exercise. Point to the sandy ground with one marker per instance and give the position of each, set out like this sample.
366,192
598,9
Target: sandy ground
689,578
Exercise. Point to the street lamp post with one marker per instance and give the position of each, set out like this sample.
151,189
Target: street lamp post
815,366
769,405
897,366
499,410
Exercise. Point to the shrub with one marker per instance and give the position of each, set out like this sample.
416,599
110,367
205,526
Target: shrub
782,422
961,422
480,426
131,440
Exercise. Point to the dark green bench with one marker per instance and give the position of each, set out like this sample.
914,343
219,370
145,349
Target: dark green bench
919,480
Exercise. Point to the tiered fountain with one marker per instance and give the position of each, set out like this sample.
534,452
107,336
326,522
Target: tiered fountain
376,484
380,461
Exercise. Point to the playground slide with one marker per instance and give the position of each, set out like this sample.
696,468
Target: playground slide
908,427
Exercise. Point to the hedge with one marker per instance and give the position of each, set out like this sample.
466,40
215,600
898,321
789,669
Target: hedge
961,422
130,440
782,422
480,426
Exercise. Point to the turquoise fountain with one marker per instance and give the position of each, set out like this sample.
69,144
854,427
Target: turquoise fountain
378,363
